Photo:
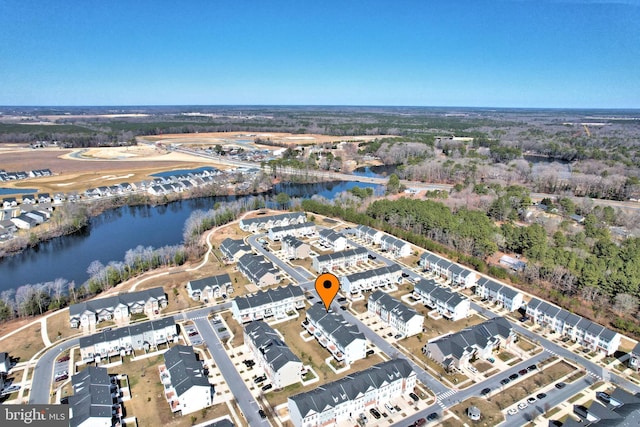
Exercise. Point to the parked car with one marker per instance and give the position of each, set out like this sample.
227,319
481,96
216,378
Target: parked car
260,379
522,405
485,391
63,359
390,408
604,397
62,377
513,376
512,411
531,368
433,416
414,396
505,381
371,256
375,413
523,372
541,396
420,422
560,385
262,414
524,318
267,387
342,299
370,352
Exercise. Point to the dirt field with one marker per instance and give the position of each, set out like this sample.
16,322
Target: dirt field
241,137
25,344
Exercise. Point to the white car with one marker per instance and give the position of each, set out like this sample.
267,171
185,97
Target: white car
512,411
522,405
390,408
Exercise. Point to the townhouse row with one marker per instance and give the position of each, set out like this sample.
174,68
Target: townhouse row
277,302
580,330
348,397
118,307
121,341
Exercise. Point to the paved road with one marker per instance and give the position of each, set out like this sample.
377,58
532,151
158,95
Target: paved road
241,393
43,374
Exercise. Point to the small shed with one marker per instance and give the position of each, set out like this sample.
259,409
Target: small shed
473,413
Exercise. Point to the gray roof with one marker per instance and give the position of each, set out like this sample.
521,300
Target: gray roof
342,254
92,395
186,371
293,227
256,266
394,306
330,235
599,331
392,241
273,349
350,387
497,287
264,219
293,241
334,325
368,274
213,281
437,292
230,247
135,329
268,296
4,357
128,299
480,335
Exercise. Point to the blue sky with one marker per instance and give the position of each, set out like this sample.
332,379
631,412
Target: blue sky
500,53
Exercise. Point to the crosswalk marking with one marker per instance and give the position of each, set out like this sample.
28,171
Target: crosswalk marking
444,395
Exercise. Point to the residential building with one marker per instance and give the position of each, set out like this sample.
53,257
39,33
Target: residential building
295,230
479,341
346,398
354,284
186,387
498,293
281,366
233,249
28,199
634,358
344,340
258,270
444,268
96,399
149,302
9,202
267,222
368,234
294,248
403,319
122,341
210,288
271,302
585,332
395,247
24,221
5,362
332,239
449,304
328,262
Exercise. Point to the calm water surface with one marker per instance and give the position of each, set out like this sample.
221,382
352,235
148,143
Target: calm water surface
115,231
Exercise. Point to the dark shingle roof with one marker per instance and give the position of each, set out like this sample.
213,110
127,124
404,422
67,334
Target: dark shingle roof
274,350
186,371
213,281
350,387
391,304
334,325
268,296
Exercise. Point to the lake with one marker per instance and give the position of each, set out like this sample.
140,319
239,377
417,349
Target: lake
115,231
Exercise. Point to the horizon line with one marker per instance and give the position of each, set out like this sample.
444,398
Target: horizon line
310,105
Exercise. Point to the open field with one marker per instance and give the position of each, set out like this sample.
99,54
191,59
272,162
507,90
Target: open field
491,414
531,384
280,138
25,344
58,326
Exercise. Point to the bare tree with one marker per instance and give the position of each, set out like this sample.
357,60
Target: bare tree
625,304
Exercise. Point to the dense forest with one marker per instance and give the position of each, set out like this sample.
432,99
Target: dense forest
583,269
